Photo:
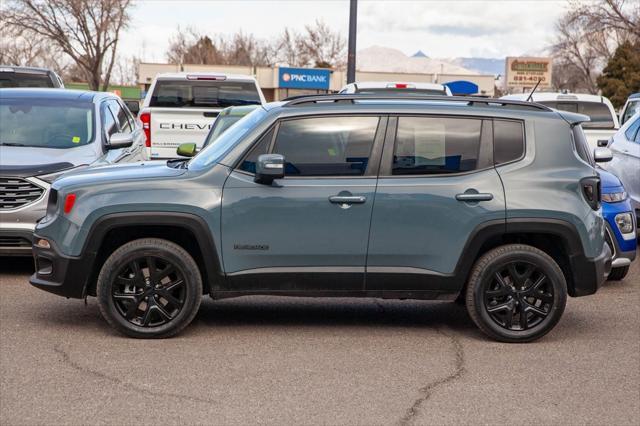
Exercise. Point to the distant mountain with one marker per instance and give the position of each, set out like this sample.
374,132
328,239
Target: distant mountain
386,59
492,66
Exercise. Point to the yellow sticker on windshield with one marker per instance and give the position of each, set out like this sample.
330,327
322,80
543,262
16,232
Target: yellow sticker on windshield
332,152
75,139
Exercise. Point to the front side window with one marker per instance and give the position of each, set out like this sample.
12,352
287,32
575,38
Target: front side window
326,146
45,123
632,108
436,145
508,141
121,115
632,131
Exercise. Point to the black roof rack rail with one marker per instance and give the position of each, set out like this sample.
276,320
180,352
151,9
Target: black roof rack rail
469,100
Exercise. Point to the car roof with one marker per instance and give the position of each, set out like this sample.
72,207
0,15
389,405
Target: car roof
29,70
391,84
54,93
183,76
556,96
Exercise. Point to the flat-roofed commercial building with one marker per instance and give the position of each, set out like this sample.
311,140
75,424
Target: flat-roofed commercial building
280,82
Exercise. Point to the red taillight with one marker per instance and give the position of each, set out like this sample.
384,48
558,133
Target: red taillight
69,201
145,117
401,85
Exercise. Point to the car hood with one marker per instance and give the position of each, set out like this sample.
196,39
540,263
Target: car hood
609,180
30,161
117,172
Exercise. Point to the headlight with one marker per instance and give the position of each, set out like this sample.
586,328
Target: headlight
624,222
614,197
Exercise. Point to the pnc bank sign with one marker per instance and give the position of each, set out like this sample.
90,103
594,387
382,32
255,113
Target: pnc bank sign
304,78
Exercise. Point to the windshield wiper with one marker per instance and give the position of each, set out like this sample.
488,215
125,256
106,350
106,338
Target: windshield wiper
12,144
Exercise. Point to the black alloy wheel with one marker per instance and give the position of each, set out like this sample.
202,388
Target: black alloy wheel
149,288
148,291
516,293
518,296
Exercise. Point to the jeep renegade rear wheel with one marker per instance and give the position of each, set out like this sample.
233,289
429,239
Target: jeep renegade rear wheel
516,293
149,288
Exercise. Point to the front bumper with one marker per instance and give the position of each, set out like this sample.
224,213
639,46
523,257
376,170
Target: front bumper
590,273
16,242
60,274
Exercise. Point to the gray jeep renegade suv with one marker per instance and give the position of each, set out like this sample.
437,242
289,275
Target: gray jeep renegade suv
489,201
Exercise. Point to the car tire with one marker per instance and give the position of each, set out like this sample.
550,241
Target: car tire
516,293
149,288
618,274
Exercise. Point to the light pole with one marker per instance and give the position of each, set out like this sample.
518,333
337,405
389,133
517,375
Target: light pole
351,56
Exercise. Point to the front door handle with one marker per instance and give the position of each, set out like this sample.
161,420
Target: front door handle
347,199
470,196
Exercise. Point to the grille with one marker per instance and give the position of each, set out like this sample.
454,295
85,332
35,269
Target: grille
17,192
14,242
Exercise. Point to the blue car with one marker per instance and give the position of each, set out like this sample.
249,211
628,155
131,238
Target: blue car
620,225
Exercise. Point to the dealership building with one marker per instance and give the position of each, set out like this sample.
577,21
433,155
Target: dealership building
280,82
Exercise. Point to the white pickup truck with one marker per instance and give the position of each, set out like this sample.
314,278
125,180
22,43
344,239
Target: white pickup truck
180,107
604,121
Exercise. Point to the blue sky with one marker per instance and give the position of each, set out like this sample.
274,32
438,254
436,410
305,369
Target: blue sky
439,28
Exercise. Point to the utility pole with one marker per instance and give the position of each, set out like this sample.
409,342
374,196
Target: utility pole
351,58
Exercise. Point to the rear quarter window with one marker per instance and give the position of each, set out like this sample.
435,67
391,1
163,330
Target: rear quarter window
508,141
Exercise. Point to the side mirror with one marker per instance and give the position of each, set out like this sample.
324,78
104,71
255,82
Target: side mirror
120,140
602,155
602,143
268,168
186,149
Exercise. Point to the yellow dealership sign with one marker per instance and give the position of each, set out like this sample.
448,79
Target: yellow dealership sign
526,71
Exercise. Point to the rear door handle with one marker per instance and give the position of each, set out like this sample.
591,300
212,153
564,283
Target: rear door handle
469,196
347,199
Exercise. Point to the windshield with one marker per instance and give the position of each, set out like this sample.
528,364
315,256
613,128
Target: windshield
203,94
632,108
14,79
227,140
45,123
221,124
600,114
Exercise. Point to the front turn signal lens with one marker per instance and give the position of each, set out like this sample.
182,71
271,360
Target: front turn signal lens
69,201
42,243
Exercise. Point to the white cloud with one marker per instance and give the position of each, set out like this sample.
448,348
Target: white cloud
439,28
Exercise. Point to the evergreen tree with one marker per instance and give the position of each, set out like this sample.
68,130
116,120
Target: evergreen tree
621,76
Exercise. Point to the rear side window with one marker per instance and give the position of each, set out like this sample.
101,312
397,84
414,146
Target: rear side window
326,146
600,114
508,141
203,94
436,145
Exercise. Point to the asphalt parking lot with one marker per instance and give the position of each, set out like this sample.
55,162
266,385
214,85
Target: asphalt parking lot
325,361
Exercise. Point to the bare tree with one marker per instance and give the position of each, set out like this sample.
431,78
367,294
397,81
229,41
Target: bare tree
321,47
86,30
587,36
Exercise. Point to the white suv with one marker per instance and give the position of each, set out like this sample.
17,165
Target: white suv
604,121
180,107
392,88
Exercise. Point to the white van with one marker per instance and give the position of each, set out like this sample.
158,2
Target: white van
180,107
604,121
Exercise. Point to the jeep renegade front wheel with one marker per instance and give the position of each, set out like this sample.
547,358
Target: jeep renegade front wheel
516,293
149,288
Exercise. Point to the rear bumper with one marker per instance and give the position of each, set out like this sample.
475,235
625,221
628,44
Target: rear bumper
60,274
590,273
